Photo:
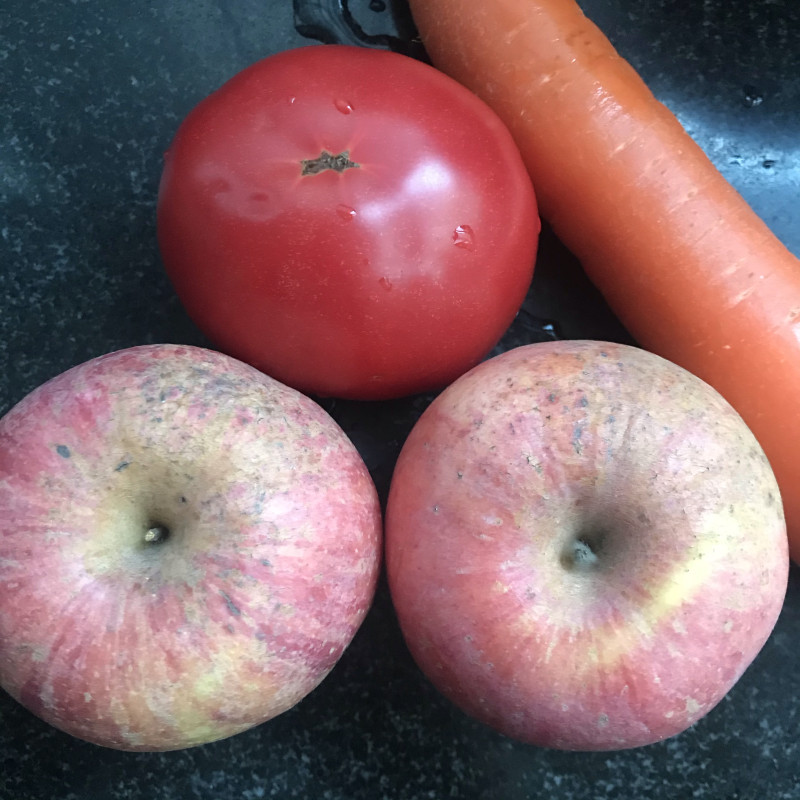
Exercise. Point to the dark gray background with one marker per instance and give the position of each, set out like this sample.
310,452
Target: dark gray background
91,92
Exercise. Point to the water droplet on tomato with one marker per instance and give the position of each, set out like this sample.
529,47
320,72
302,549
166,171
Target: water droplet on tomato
386,283
343,106
346,212
464,236
292,100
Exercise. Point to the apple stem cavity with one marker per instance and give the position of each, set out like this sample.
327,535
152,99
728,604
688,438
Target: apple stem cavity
156,534
580,554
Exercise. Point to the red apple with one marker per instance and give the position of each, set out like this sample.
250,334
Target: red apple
585,545
186,548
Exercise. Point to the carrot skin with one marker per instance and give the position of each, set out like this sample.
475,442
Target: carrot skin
689,268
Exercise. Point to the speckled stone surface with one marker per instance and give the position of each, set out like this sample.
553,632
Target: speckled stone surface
91,92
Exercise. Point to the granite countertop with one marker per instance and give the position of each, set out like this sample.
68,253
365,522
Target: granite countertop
91,92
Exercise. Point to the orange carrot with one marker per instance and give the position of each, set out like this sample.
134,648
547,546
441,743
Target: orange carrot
688,267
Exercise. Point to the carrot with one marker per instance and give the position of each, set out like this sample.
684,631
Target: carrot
687,266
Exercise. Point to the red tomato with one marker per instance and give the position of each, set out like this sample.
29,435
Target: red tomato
350,221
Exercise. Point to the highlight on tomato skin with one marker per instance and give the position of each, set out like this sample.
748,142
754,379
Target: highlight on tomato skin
350,221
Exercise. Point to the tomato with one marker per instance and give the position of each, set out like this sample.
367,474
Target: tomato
350,221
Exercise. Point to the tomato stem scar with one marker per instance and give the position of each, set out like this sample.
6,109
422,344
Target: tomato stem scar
326,160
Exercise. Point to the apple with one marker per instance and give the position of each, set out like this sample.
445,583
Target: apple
585,545
187,547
